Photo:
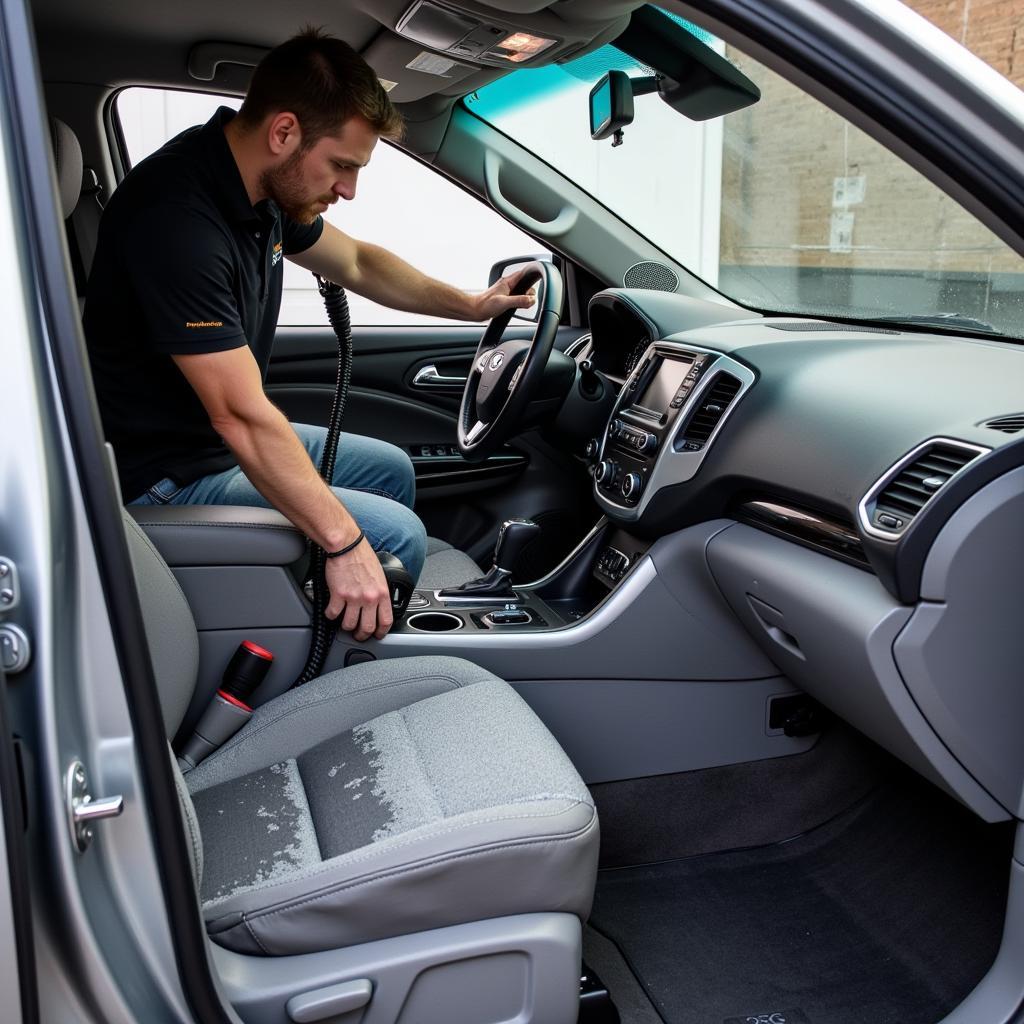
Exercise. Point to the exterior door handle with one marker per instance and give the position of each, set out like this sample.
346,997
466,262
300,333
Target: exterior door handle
428,377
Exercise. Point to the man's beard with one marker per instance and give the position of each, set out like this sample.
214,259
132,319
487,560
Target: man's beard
284,185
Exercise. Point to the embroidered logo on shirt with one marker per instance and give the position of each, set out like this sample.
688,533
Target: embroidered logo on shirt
204,323
278,253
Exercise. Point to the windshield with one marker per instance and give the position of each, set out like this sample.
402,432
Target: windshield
783,206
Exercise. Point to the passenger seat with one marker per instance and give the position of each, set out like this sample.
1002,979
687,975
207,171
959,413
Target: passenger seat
395,797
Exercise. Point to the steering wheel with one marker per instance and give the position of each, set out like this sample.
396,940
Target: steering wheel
506,375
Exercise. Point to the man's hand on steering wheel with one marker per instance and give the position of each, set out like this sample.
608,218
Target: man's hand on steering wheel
505,376
499,299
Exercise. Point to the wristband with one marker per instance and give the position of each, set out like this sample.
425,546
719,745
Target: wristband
348,547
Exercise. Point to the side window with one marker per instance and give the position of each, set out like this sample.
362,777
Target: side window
400,204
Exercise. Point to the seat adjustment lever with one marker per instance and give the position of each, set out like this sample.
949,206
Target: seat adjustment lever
324,1003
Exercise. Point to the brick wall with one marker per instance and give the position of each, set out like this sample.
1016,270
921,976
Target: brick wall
782,158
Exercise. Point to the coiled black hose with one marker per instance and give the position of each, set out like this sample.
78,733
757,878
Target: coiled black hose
324,629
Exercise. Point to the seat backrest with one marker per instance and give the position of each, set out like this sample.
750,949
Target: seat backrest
174,649
81,205
170,628
67,159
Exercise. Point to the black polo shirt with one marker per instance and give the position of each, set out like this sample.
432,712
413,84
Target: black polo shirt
184,264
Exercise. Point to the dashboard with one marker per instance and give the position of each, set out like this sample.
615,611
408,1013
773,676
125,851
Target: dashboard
862,489
858,441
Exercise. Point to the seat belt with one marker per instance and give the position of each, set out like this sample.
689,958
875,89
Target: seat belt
83,228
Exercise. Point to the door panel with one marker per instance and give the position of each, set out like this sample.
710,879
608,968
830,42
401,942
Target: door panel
459,501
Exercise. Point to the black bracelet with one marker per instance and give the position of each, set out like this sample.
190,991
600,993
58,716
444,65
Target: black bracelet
349,547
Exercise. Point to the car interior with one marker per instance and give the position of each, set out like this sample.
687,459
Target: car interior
702,709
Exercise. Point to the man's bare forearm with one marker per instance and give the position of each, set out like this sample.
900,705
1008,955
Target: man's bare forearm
380,275
273,458
389,280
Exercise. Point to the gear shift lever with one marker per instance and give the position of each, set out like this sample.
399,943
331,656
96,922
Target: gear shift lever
513,538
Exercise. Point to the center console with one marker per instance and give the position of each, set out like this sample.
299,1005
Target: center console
568,594
668,413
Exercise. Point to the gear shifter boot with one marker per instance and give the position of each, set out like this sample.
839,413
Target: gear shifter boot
513,538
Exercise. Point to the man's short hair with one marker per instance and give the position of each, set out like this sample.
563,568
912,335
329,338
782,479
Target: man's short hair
323,82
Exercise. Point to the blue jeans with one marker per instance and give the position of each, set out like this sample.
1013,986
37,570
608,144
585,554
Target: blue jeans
373,479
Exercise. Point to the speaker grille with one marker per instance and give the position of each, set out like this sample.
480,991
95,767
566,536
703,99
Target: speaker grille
650,275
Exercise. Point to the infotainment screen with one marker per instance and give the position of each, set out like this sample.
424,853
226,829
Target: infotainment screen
663,385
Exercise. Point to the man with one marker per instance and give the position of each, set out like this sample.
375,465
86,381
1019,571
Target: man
183,300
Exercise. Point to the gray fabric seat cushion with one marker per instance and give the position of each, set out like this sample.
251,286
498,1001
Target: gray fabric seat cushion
389,798
446,566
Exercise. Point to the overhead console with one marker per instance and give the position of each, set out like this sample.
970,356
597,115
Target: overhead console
468,37
669,412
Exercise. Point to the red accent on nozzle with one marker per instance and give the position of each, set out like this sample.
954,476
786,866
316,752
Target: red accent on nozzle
260,652
247,668
233,700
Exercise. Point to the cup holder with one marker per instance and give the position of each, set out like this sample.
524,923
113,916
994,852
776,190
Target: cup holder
434,622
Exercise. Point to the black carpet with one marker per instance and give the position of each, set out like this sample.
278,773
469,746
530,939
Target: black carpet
889,914
665,817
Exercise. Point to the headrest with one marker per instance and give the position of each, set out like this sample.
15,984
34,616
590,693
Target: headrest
67,156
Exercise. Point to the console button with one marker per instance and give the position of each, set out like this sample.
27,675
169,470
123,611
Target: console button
612,564
508,617
592,448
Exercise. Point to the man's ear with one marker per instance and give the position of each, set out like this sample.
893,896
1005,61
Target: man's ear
284,136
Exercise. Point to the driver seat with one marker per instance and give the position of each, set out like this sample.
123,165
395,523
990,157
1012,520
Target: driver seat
444,566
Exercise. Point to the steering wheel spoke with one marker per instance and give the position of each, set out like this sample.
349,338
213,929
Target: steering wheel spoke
475,431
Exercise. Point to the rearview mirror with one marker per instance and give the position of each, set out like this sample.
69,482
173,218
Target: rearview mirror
689,76
611,105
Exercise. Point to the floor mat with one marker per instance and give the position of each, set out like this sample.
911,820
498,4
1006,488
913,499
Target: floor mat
890,914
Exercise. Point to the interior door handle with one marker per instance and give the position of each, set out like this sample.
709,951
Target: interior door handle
428,377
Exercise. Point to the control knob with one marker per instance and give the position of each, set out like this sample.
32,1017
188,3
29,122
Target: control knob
631,485
605,471
614,429
593,446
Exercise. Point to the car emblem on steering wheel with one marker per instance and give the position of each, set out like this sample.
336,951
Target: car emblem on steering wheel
496,360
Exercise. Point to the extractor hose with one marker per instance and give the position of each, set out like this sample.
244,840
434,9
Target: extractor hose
324,629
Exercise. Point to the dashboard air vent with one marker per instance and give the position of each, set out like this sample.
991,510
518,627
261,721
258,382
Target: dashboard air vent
710,410
898,497
911,488
1007,424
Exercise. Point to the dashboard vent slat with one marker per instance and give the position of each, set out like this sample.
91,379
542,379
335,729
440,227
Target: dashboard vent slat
1006,424
712,407
916,483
